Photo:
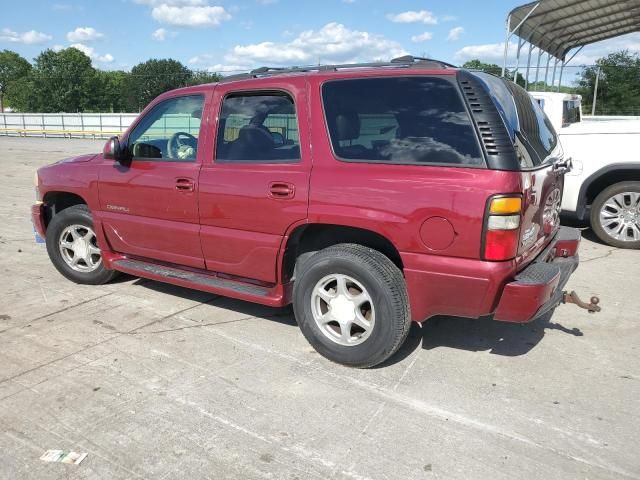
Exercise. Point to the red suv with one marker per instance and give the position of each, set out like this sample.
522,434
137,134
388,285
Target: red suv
367,195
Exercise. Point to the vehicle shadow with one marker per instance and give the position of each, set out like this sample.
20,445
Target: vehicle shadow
475,335
282,315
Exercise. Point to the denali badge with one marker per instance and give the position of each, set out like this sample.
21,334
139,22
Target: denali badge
117,208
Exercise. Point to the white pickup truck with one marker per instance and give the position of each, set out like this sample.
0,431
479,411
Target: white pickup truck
604,184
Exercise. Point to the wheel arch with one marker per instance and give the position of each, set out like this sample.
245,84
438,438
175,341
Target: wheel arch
57,201
603,178
311,237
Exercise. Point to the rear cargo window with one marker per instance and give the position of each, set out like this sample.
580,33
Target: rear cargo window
403,120
536,132
524,118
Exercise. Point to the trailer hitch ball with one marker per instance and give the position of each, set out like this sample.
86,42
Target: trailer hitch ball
572,297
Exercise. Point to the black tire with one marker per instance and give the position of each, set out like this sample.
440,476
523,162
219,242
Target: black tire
386,286
75,215
600,200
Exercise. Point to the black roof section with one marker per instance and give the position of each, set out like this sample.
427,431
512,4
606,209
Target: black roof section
407,61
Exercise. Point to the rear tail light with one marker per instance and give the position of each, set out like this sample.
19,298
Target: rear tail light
502,228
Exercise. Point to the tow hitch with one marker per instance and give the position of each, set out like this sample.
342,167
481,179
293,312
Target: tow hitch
573,298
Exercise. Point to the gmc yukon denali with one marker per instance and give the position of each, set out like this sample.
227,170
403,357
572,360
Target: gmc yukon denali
368,196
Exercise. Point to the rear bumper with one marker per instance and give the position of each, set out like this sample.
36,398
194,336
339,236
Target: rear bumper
539,287
37,218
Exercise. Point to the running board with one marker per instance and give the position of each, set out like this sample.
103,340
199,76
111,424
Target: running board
201,281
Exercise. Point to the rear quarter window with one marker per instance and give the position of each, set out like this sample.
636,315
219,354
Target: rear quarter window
401,120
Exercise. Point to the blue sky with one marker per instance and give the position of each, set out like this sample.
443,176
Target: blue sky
231,35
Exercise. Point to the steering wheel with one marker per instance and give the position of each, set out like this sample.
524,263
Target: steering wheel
176,141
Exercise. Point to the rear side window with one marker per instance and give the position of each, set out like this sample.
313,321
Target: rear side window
570,112
258,127
403,120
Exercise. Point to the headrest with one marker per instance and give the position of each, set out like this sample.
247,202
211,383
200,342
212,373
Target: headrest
347,126
256,137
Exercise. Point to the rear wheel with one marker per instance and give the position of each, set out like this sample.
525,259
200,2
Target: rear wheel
352,305
73,249
615,215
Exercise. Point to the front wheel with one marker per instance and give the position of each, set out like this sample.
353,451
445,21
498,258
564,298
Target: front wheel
615,215
73,249
352,305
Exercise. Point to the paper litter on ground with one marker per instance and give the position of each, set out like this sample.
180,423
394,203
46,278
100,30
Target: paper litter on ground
63,457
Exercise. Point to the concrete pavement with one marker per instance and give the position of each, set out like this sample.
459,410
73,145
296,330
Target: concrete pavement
156,381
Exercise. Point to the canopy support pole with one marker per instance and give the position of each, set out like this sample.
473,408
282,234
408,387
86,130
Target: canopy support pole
561,71
546,71
564,64
595,92
538,68
553,77
511,32
515,72
526,80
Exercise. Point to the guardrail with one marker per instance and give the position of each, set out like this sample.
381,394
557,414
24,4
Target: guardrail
71,125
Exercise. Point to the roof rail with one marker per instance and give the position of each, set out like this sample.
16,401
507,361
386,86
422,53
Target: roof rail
407,61
410,59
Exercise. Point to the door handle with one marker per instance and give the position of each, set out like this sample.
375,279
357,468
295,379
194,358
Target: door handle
281,190
185,185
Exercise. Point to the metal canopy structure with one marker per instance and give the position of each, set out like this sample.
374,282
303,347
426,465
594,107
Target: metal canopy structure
556,27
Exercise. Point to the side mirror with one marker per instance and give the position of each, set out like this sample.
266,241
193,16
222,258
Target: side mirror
112,149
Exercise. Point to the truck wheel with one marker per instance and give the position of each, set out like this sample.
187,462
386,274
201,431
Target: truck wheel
615,215
352,305
73,249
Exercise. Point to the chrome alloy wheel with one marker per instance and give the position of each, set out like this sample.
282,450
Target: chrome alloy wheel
343,310
620,217
79,248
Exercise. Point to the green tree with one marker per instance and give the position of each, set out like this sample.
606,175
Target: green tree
12,68
483,67
492,68
200,77
153,77
63,81
618,86
112,92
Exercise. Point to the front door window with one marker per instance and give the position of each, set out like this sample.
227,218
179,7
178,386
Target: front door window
169,131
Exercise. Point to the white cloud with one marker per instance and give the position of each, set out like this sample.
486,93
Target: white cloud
200,59
333,43
455,34
423,37
224,69
412,16
448,18
190,15
29,38
177,3
57,48
160,35
92,54
84,34
489,52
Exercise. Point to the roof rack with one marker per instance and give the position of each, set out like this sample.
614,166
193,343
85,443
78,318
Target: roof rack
407,61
